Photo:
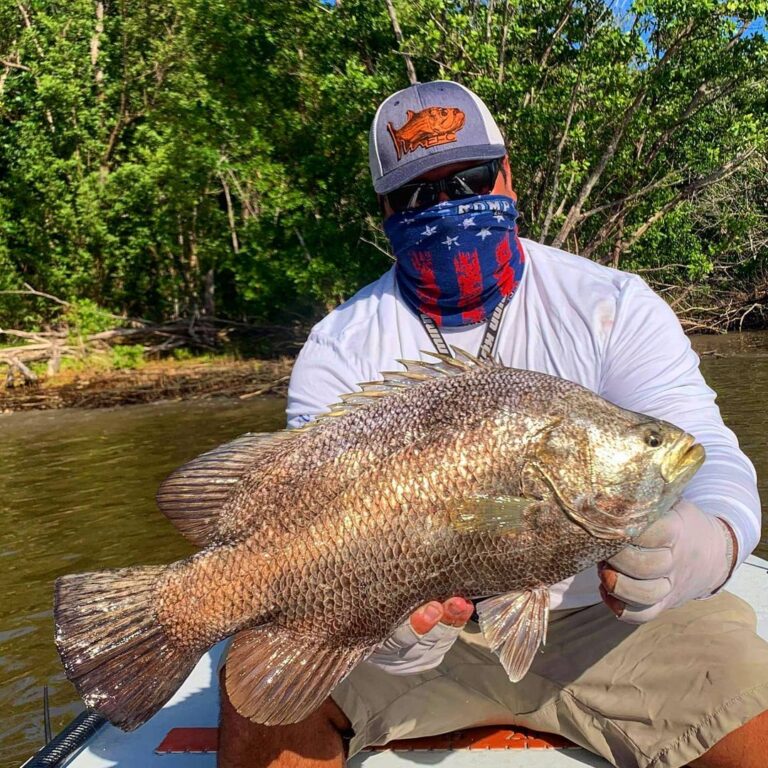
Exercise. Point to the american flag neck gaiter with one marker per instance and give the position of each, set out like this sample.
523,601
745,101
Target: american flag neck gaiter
458,259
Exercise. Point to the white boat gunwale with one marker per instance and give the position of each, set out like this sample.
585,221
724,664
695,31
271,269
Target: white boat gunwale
195,706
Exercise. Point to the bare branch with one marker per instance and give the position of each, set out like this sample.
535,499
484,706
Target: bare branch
40,53
14,65
29,291
686,193
230,216
399,37
745,25
98,31
558,158
698,102
647,189
378,248
547,51
503,45
574,213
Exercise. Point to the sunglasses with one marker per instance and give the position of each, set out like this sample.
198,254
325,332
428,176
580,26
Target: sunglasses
477,180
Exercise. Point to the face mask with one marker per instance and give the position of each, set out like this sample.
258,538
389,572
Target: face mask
456,260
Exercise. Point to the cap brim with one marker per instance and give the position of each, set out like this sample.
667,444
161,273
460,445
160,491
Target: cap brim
416,167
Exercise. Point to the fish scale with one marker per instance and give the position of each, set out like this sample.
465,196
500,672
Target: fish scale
453,478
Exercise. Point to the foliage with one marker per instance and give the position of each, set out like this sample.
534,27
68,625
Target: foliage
201,156
127,356
84,317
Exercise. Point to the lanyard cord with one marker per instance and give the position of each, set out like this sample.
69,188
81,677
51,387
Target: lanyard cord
489,336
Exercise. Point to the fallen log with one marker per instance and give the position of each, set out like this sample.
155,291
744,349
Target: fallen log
156,340
156,381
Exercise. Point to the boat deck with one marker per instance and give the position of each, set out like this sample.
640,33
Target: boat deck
184,734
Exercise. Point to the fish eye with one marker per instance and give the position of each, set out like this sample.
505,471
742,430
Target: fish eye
653,439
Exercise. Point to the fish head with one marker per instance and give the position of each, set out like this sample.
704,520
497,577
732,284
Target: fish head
614,472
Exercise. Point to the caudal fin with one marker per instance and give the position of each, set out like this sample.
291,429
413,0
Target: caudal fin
112,646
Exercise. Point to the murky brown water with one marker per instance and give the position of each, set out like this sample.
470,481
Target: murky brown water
77,488
77,493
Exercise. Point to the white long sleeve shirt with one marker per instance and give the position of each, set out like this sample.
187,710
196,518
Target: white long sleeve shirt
571,318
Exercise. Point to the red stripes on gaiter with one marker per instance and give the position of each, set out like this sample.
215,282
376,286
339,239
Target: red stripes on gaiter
505,275
428,290
470,280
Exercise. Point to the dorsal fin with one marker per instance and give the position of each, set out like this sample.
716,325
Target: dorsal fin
446,365
192,496
416,372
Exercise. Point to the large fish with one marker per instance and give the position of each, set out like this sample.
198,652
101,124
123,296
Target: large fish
451,478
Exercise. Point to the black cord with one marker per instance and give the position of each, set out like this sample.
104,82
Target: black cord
66,742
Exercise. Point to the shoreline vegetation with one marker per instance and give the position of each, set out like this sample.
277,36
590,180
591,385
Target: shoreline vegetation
93,359
202,160
193,379
154,180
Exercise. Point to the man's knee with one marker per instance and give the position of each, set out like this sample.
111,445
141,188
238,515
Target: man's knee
316,741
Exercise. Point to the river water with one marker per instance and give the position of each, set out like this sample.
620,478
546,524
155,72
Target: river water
77,493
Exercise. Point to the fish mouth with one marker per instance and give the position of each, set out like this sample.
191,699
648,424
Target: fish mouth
682,460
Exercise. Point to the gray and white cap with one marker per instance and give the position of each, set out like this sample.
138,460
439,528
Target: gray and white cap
428,125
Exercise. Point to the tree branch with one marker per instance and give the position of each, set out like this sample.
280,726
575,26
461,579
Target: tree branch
399,37
30,291
558,157
230,216
574,213
547,51
14,65
686,193
40,53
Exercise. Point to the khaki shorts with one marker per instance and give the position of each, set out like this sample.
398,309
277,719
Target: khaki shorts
660,694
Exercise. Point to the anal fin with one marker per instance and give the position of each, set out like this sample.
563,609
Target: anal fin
515,625
276,677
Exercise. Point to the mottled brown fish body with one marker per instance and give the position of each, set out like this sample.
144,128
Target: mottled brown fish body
455,478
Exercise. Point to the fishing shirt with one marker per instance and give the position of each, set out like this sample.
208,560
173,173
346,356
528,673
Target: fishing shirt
569,317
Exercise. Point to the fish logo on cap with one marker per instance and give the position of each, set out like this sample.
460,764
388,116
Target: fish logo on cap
428,128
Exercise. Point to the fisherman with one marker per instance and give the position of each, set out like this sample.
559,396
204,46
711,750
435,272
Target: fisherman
681,677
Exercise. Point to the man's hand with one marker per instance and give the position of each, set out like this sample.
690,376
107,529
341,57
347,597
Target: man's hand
422,642
685,555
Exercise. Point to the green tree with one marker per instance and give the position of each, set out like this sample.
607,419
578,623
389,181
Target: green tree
202,156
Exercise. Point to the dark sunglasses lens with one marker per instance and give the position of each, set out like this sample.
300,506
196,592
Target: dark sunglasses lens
399,198
479,179
412,196
428,195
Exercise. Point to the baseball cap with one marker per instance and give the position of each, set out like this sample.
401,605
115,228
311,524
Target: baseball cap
428,125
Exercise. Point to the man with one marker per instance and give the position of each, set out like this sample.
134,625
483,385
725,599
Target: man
678,679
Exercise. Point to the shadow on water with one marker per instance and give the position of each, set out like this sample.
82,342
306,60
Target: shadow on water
77,493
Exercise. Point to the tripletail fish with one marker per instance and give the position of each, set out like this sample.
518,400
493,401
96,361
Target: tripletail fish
456,477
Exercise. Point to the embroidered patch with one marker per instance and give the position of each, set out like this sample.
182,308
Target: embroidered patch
428,128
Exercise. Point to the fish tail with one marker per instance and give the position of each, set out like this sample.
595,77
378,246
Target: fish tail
113,647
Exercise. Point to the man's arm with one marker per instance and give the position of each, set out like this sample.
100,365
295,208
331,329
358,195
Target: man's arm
649,367
321,374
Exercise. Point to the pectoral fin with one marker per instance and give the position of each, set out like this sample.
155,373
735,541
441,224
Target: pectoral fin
275,677
515,625
500,514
